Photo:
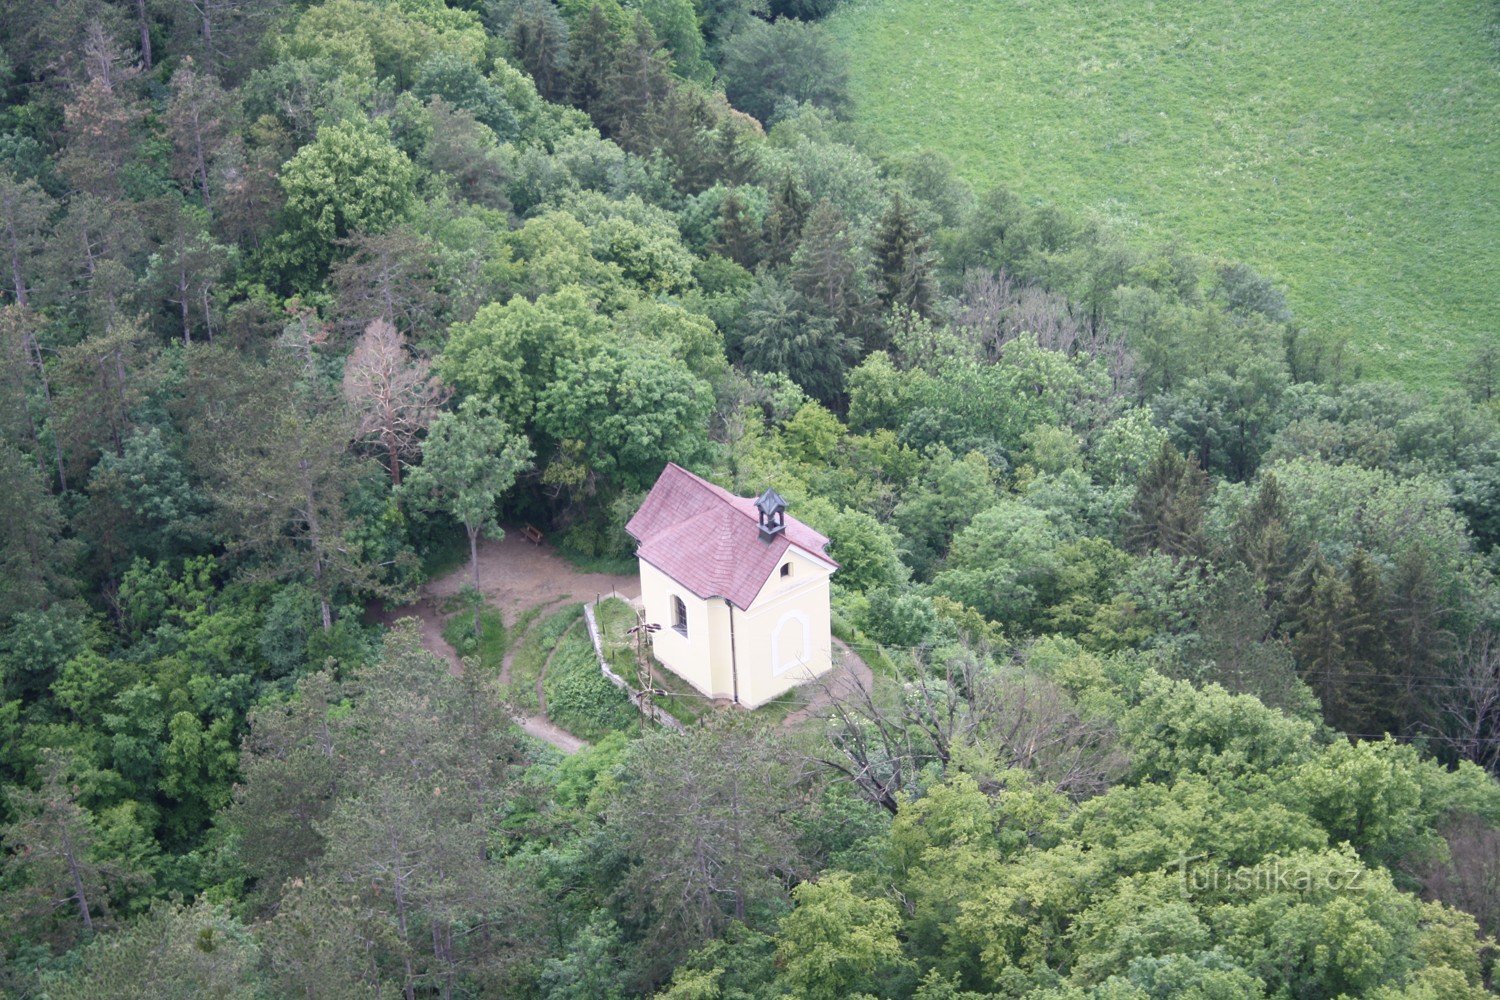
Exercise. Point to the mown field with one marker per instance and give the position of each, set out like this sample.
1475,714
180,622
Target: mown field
1348,148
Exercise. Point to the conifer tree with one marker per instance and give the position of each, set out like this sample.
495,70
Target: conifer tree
1167,513
738,236
539,38
829,269
638,81
904,261
784,222
1262,542
1323,602
592,49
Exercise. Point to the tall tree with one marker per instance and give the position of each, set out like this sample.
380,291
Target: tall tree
25,210
782,332
638,81
539,38
830,269
1167,512
289,763
425,759
786,61
469,461
349,179
394,394
393,276
784,221
188,268
706,845
200,120
904,261
34,558
591,55
61,887
280,472
102,120
26,375
1261,540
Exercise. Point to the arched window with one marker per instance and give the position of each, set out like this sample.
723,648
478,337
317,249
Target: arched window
679,616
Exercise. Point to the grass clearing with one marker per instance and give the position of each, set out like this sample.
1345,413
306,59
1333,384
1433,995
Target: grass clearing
531,655
1346,148
579,698
488,648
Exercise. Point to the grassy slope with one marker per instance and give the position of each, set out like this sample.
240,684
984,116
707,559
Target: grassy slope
1348,148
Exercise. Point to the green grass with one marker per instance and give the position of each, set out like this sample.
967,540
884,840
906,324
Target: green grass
615,617
1346,148
684,702
488,649
531,655
579,698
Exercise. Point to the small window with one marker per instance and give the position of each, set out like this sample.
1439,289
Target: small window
786,570
679,616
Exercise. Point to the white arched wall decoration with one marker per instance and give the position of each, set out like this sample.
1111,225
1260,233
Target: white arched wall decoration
788,656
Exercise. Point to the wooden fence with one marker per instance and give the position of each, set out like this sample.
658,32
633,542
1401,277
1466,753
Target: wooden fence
658,714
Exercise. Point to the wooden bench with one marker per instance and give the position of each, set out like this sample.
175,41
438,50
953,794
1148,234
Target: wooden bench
533,534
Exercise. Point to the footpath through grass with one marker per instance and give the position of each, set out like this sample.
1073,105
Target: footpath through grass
1346,148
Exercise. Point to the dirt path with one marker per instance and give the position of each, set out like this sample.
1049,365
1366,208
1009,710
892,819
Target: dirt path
513,646
514,576
847,675
541,675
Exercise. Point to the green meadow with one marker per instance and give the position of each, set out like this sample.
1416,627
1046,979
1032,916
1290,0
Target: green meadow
1347,149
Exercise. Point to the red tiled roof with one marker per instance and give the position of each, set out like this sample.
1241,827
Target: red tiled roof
708,539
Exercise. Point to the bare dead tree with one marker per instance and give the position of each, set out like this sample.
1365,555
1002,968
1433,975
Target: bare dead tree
393,393
993,309
1469,879
1467,703
880,737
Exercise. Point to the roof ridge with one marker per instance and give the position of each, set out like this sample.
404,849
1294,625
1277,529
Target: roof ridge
708,539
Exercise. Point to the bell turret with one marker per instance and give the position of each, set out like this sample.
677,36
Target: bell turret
772,514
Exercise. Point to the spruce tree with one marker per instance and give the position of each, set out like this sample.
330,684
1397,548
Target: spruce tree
1322,603
592,48
1261,541
738,236
784,222
904,261
539,40
829,269
1167,512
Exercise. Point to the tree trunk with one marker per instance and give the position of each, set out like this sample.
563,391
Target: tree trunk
79,894
145,25
41,374
474,563
182,300
390,444
18,277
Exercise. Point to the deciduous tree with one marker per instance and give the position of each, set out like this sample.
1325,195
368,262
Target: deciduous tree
394,395
469,461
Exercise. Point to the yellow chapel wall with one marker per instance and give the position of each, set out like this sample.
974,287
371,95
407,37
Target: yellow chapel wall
701,657
785,638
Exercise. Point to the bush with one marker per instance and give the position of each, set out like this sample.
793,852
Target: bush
579,697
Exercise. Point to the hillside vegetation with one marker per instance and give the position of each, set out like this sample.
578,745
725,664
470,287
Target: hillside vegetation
1183,641
1347,149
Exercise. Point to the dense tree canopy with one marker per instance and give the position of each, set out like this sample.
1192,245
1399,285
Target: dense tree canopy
1183,672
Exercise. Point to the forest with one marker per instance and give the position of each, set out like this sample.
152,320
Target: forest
1184,629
